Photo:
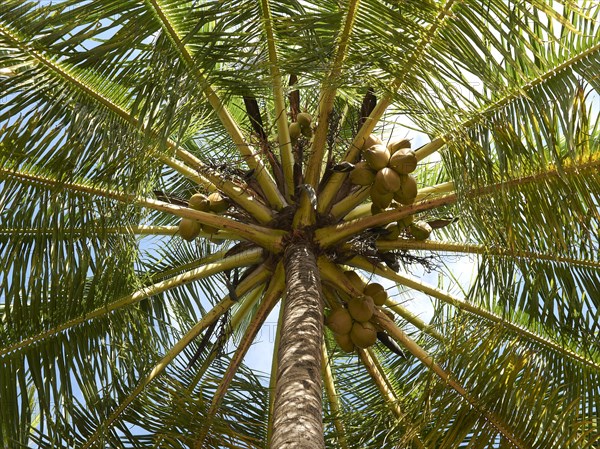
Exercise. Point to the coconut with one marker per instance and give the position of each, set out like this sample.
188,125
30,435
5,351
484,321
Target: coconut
387,180
363,335
370,140
377,156
304,119
375,209
199,201
393,232
403,162
408,190
361,309
217,203
295,130
340,321
406,221
377,292
398,145
362,174
209,229
420,230
307,132
355,280
189,229
381,200
344,342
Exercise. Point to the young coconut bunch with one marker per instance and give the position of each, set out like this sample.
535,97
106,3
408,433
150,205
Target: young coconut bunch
174,173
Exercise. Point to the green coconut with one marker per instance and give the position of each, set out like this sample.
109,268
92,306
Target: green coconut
295,130
403,162
398,145
304,119
344,341
420,230
393,232
377,156
361,309
189,229
387,180
408,190
369,141
362,174
340,321
355,280
363,335
199,202
381,199
217,203
377,292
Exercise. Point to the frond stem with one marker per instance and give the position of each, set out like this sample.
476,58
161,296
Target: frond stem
327,97
246,258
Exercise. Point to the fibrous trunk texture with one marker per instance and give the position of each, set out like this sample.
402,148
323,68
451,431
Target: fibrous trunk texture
297,415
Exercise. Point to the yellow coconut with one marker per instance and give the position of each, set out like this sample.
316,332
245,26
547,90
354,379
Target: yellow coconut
200,202
375,209
344,342
377,156
189,229
363,335
355,280
398,145
377,292
369,141
408,190
361,309
406,221
403,162
217,203
340,321
362,174
380,199
387,180
295,130
420,230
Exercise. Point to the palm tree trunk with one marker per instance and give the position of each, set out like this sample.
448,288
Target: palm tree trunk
297,415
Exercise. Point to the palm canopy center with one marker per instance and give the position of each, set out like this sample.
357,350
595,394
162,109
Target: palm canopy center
171,171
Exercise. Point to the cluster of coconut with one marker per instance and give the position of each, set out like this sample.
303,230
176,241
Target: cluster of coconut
407,226
350,322
301,126
387,170
214,203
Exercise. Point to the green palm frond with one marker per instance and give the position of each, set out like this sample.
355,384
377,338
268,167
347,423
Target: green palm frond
117,332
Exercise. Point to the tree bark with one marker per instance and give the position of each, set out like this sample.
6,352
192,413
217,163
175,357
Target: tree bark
297,414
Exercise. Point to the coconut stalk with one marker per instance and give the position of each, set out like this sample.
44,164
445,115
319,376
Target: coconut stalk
246,258
332,397
208,318
327,98
271,296
268,238
273,377
394,331
263,176
351,209
467,248
283,133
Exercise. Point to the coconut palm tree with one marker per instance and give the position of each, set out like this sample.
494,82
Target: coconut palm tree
172,172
